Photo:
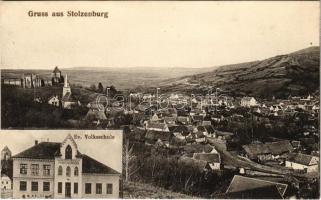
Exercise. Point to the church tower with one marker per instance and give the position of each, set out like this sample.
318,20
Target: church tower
56,77
5,153
66,89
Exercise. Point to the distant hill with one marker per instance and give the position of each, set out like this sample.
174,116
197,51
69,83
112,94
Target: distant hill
296,73
121,78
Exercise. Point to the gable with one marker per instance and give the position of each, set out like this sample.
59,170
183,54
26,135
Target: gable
68,142
314,160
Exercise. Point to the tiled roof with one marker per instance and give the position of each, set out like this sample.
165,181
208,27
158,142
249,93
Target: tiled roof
267,192
43,150
197,148
169,119
209,128
182,119
223,133
201,128
180,129
90,165
280,147
155,135
208,157
156,125
198,118
242,183
300,158
275,148
192,162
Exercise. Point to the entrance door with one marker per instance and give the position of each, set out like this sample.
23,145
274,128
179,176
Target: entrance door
67,189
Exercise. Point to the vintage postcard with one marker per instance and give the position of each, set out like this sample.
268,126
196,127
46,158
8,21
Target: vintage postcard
213,100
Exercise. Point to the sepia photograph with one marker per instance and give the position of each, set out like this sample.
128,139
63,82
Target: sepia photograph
46,164
214,100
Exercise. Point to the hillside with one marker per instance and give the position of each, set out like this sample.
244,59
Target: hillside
296,73
141,191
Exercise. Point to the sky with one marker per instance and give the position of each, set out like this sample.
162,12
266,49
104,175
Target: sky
107,151
155,34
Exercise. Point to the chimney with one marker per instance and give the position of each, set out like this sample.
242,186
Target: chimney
36,142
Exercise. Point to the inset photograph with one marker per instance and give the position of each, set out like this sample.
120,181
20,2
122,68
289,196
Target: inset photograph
68,164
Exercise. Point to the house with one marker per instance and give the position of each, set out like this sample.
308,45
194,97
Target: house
219,142
158,137
94,105
5,183
147,97
154,118
207,130
170,120
6,174
305,162
206,123
172,112
213,159
96,112
223,134
199,137
275,108
316,108
181,132
197,111
59,170
248,102
5,187
268,151
197,119
54,100
201,165
183,120
153,126
208,160
242,187
96,116
295,144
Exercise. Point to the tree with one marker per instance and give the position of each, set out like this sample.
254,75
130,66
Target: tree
129,161
100,88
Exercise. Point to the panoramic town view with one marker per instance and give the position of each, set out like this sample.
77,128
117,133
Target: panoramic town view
186,136
211,100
